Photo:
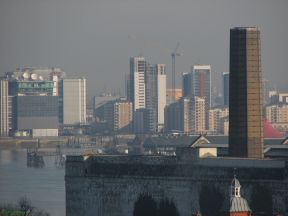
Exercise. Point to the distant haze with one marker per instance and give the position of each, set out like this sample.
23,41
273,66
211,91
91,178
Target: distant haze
95,38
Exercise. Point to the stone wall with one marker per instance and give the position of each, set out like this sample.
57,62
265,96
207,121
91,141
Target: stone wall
110,185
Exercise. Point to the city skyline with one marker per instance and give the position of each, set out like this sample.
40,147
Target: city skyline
81,46
143,107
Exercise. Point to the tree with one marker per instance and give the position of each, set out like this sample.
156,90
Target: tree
210,200
25,205
145,206
261,200
167,208
41,213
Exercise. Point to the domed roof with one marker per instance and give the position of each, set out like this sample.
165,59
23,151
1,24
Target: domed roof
236,204
239,204
235,182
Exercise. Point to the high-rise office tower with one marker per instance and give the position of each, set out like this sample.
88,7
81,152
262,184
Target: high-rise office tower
185,113
245,99
146,89
225,80
136,86
161,94
198,115
4,108
155,78
72,93
173,117
178,116
142,121
187,84
201,83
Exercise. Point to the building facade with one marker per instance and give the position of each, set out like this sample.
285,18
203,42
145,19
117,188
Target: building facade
185,115
198,115
37,74
201,84
119,115
187,88
172,117
277,113
72,101
225,82
123,116
33,93
143,121
36,115
136,90
191,184
146,89
178,116
5,108
155,78
98,105
161,95
245,99
217,117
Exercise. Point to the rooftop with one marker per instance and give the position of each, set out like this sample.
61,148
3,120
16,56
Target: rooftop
236,204
250,28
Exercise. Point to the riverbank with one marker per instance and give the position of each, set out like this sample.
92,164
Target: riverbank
11,143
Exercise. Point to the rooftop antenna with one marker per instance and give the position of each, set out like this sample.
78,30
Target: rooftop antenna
234,172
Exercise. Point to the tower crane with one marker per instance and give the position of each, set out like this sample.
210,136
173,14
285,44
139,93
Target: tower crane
173,55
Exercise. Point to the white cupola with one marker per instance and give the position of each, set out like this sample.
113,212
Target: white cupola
235,188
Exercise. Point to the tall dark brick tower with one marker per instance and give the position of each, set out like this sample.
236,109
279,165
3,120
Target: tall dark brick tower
245,102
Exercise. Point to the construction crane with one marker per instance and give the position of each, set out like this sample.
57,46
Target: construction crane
173,55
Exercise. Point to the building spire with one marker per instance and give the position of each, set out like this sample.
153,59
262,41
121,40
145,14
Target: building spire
235,187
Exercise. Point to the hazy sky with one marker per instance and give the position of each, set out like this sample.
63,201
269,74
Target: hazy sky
95,38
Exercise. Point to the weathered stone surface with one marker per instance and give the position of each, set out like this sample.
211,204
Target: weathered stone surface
110,185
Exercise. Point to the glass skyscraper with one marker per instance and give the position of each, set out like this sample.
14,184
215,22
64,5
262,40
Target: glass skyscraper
201,84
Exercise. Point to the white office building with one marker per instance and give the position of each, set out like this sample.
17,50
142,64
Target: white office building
161,95
5,108
136,90
73,96
156,95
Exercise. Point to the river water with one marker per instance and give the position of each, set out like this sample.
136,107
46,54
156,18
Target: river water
45,187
